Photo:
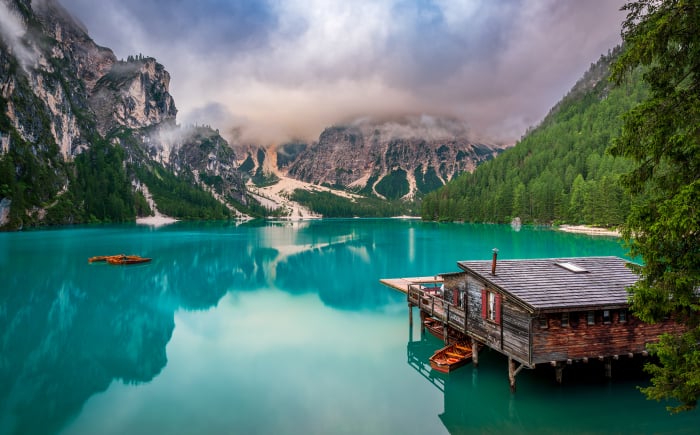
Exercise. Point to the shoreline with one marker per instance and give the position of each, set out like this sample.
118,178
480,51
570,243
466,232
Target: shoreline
589,230
160,220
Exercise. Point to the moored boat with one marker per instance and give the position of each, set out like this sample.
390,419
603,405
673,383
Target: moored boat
435,327
451,357
119,259
127,259
98,258
437,330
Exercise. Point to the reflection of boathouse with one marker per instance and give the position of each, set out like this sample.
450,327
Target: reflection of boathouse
540,311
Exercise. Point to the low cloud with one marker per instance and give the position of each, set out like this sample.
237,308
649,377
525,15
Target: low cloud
12,31
274,70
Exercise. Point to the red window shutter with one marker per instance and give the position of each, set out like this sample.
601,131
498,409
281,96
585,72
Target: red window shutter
498,308
484,304
455,297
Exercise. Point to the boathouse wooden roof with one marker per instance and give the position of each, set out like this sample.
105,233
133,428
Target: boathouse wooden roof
559,284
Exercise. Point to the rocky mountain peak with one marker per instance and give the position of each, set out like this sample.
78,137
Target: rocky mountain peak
133,94
60,95
392,158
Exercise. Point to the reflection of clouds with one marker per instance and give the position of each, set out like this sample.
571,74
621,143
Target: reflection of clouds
360,252
77,338
264,362
257,327
272,320
79,327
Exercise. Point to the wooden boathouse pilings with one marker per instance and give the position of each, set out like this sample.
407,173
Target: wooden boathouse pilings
537,312
432,303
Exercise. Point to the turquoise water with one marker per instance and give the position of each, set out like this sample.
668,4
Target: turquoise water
275,328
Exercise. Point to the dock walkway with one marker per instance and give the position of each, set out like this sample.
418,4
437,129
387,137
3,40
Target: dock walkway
423,292
402,284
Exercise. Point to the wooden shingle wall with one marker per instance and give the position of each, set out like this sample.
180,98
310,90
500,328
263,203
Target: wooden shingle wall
557,343
516,331
478,327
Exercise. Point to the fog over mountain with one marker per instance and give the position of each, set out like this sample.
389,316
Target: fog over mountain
276,70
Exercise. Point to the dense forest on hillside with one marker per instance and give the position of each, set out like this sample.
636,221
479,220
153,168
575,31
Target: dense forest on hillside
179,196
334,206
559,171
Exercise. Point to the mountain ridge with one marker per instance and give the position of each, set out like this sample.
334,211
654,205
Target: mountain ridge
429,151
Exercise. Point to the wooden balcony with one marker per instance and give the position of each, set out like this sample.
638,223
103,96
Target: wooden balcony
429,300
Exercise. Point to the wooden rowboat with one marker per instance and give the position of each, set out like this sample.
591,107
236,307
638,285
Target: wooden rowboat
120,259
127,259
98,258
436,329
451,357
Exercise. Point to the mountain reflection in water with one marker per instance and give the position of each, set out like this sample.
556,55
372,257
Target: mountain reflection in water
268,327
70,328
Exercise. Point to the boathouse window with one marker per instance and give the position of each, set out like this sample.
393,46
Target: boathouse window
622,316
564,320
590,317
544,323
606,316
491,306
573,320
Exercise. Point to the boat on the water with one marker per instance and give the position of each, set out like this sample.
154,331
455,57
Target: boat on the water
435,327
119,259
437,330
127,259
98,258
451,357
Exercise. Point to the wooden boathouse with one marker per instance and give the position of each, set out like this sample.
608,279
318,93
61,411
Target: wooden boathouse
541,311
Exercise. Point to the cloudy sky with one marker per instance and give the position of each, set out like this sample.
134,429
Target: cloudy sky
279,69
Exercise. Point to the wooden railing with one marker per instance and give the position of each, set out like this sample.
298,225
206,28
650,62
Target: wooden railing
430,301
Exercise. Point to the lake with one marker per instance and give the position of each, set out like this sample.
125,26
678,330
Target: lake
276,327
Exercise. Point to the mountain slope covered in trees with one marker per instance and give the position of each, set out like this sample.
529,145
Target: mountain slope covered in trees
559,171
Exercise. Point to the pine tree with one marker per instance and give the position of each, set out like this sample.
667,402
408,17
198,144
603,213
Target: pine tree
662,136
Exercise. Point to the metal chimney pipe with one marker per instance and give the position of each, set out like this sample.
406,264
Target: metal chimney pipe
493,263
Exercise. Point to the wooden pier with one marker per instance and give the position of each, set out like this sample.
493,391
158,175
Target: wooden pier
402,284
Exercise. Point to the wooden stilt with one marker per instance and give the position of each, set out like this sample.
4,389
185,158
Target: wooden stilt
422,324
511,374
445,338
559,373
410,315
475,352
608,368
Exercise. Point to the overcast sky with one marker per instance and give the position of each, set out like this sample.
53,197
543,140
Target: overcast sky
280,69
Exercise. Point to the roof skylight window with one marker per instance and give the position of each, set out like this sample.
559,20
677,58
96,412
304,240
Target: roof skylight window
571,267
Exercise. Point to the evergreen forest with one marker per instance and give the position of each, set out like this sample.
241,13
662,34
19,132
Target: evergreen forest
560,171
334,206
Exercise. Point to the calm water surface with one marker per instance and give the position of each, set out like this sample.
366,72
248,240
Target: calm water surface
275,328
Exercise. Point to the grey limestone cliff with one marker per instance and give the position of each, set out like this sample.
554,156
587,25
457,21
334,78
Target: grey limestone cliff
60,94
424,152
